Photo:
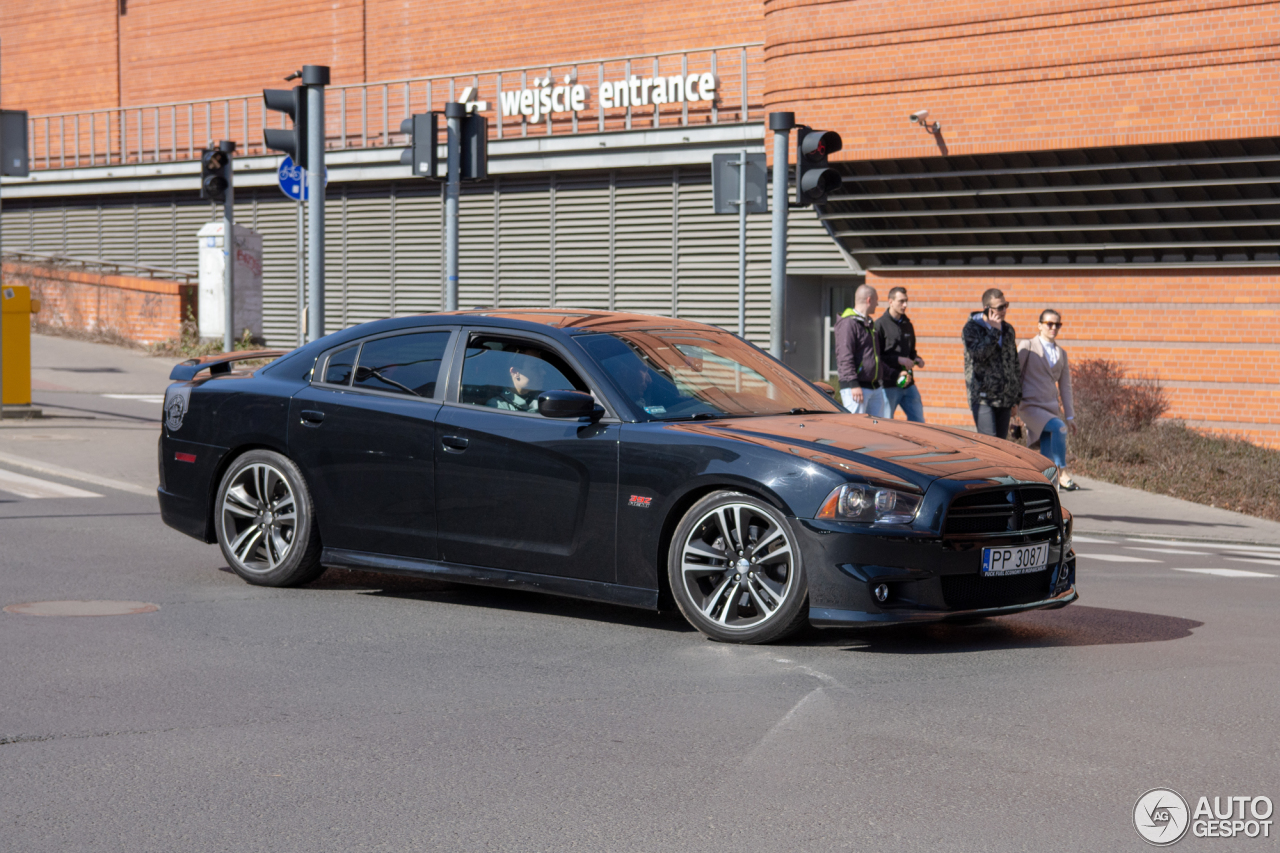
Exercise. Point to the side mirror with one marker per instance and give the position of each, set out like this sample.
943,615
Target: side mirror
825,388
566,404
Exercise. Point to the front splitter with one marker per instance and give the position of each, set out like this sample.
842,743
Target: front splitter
828,617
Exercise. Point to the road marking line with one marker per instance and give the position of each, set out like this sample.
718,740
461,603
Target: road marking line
1118,558
1219,545
1167,550
1257,552
31,487
141,398
1092,541
69,474
1255,560
1228,573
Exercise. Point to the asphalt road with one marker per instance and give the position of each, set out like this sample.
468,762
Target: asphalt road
375,713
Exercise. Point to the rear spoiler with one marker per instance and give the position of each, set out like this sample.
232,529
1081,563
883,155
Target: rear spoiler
217,364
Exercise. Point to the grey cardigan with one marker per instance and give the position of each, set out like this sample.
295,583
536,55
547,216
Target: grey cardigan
1042,384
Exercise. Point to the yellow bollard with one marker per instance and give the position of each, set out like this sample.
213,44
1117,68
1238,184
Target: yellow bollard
15,360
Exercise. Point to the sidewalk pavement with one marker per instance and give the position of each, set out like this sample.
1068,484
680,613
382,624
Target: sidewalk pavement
1101,507
103,405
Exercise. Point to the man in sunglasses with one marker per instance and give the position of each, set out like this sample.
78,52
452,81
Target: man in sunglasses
991,370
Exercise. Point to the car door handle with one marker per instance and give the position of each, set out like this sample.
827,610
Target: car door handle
454,443
310,417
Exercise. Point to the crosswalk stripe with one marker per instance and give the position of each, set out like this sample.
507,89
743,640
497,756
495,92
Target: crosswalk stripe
1168,550
1090,540
33,487
1255,560
1228,573
141,398
1118,558
1227,546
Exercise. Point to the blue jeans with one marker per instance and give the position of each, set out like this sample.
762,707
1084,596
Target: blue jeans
909,399
1053,442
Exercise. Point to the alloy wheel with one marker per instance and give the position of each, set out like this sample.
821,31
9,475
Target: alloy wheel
259,518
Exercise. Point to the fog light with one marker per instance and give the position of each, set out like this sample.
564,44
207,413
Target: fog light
882,592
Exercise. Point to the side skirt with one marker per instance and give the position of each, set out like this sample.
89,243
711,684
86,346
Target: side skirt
609,593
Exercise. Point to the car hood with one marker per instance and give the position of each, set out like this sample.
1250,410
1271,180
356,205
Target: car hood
917,453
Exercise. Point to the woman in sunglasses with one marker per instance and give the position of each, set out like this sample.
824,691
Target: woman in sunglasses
1046,378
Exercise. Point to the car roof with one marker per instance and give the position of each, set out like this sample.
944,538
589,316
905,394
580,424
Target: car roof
572,321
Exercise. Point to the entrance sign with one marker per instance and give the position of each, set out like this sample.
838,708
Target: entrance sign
545,99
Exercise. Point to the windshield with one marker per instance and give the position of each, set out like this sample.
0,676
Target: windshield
673,374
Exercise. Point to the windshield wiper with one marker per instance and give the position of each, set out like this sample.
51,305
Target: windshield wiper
699,416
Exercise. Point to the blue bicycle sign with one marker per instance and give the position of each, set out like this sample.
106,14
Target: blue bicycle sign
293,179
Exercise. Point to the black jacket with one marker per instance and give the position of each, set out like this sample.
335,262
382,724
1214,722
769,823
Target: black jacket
897,339
991,369
856,355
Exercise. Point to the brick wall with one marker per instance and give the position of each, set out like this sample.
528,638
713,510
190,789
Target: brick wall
1024,74
59,55
1209,337
138,309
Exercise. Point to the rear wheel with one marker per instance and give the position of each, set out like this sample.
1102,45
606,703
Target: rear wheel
736,572
265,521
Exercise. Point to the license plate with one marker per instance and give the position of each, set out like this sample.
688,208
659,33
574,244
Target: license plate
1017,560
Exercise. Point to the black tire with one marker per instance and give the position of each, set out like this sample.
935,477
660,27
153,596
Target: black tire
262,541
736,571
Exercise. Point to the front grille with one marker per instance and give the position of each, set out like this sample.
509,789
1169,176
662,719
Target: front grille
975,592
1002,511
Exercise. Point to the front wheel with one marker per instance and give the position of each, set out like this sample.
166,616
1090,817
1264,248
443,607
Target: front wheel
265,521
736,572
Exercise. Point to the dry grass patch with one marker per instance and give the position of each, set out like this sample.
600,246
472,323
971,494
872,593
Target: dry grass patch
1122,439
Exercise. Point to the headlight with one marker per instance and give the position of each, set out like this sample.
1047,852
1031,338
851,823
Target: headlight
870,504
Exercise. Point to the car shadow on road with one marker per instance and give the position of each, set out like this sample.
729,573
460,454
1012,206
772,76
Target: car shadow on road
1072,626
521,601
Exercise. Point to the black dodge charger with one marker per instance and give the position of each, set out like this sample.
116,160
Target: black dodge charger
615,457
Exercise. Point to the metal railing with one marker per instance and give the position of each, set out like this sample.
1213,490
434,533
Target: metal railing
368,115
99,265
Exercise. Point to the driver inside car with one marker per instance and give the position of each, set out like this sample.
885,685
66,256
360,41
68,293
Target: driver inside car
527,375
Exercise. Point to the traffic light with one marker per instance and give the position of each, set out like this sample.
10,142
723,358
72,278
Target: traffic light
475,147
13,143
215,171
814,180
422,131
293,103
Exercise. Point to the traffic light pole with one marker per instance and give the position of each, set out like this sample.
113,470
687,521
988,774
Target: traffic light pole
454,113
780,124
315,78
229,249
229,266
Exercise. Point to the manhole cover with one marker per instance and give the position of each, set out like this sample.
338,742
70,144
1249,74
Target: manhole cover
82,608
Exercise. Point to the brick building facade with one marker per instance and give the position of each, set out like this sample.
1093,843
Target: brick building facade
1117,161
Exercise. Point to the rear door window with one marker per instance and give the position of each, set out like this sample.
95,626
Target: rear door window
402,364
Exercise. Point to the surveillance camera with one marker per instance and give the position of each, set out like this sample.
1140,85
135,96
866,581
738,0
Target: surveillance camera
919,116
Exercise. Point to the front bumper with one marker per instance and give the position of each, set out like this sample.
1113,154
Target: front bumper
930,578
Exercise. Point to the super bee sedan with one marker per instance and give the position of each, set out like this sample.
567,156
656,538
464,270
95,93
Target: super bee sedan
623,458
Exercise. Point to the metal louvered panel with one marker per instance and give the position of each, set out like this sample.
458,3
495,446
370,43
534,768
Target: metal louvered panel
368,253
582,241
416,248
276,219
155,223
335,260
15,226
82,232
46,227
475,245
118,229
524,239
1191,204
642,262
